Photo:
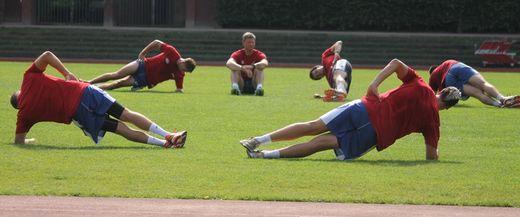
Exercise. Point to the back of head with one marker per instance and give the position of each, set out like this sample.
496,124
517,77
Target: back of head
311,75
14,99
190,64
450,96
248,35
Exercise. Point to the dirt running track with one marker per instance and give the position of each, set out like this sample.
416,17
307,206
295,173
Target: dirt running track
31,206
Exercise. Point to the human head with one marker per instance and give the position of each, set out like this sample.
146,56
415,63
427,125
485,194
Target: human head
449,97
316,72
189,64
14,99
249,41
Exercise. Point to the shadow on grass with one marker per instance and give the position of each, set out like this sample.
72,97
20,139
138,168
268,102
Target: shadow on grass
141,91
40,147
403,163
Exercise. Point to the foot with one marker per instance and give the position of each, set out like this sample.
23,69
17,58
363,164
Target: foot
235,91
255,154
175,139
136,88
250,144
511,101
259,92
333,98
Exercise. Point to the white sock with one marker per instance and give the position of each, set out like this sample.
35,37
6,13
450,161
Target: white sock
155,141
265,139
497,104
500,97
154,128
341,88
235,86
271,154
259,86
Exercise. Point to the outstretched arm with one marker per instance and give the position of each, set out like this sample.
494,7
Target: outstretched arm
48,58
396,66
154,45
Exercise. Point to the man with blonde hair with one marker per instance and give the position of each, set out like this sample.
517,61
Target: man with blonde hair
247,68
375,121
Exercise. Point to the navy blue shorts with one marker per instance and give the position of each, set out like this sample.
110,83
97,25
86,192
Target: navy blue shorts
139,77
352,128
248,86
92,112
458,75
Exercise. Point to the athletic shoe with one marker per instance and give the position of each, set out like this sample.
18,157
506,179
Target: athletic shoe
136,88
235,91
175,140
511,101
259,92
333,98
250,144
254,154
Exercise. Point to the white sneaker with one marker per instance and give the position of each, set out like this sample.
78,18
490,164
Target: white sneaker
250,144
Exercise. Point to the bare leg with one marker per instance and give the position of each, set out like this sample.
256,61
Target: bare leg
298,130
126,70
258,78
479,94
236,77
136,118
319,143
131,134
124,82
479,82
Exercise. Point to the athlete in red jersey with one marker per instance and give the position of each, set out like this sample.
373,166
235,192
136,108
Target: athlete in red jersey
376,120
47,98
470,82
148,72
247,68
338,72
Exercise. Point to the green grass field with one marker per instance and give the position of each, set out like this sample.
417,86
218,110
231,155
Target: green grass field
479,148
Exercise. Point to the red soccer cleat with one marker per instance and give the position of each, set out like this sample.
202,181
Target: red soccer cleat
175,139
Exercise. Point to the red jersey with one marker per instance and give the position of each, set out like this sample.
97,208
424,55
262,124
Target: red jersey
46,98
437,78
411,107
241,58
327,59
163,66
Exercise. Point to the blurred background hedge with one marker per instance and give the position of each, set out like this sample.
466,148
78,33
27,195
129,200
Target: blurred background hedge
461,16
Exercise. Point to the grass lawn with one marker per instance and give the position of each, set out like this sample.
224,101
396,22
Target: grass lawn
479,148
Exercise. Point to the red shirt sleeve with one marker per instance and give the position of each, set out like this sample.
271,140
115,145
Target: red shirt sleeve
170,51
431,135
410,75
179,80
23,126
33,69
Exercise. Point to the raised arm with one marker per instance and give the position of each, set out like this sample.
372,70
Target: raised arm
154,45
336,47
48,58
396,66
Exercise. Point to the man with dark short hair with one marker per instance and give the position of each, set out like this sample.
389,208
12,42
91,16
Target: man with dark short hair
375,121
47,98
470,83
336,70
149,71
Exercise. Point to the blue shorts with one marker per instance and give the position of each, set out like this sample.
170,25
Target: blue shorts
458,75
92,112
248,86
139,77
352,128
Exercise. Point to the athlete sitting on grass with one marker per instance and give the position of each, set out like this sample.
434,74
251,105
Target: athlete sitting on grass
148,72
376,120
47,98
338,72
470,82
